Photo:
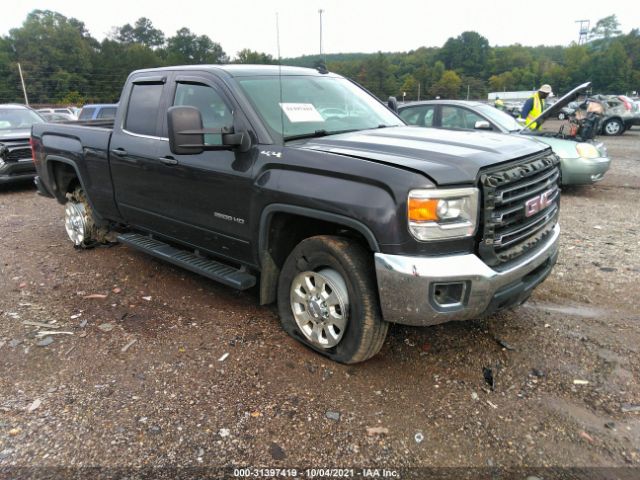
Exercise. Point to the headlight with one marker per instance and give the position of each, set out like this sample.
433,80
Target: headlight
586,150
438,214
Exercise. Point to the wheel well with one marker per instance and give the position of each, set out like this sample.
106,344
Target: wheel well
285,231
65,179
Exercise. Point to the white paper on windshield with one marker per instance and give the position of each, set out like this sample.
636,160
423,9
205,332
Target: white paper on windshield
301,112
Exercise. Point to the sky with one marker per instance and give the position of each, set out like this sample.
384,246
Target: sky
348,25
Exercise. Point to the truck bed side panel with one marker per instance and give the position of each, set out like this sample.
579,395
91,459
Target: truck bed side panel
86,149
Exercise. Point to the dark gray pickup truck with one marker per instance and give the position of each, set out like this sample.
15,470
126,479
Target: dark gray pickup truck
303,183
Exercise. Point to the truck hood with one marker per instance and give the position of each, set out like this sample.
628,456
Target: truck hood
448,157
21,134
562,102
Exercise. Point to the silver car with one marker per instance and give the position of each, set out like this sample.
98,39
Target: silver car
583,161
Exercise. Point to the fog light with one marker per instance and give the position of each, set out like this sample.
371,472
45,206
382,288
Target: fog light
448,296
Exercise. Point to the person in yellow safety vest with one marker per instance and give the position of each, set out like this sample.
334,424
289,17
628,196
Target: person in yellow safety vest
534,106
499,104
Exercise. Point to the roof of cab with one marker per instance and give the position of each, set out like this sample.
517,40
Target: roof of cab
244,70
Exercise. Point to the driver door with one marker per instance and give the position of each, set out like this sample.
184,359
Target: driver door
207,195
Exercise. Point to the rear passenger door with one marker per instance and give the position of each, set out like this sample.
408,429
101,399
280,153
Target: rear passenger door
135,165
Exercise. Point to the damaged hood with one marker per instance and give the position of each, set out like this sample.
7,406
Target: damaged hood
562,102
448,157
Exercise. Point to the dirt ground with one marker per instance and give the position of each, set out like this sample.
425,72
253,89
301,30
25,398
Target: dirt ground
142,378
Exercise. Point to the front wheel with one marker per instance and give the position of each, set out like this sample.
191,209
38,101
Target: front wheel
327,299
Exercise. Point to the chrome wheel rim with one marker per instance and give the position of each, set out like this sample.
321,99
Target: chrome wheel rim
612,128
320,306
75,221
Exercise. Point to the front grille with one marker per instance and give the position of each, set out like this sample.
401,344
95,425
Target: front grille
520,207
17,154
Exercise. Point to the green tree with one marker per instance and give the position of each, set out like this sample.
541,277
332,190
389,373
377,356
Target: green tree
251,57
611,70
54,52
142,32
409,87
187,48
468,53
605,28
448,86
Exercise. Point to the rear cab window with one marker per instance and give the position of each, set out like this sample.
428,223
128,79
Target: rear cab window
107,113
86,113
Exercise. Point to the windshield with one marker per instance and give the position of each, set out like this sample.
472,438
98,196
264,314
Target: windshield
312,105
503,120
16,118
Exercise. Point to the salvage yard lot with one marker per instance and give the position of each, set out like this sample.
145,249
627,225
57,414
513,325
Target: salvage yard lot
212,380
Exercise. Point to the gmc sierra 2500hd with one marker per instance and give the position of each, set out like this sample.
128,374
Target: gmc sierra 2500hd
303,182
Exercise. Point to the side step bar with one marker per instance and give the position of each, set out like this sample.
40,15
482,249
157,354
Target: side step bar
204,266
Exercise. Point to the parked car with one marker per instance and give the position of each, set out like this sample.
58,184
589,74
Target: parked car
64,111
57,117
618,113
583,161
634,108
16,162
98,111
349,221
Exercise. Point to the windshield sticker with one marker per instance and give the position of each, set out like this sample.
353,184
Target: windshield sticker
301,112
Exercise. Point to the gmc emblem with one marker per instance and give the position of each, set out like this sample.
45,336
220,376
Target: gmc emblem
538,203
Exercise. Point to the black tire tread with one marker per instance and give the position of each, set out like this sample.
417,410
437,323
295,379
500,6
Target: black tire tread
356,260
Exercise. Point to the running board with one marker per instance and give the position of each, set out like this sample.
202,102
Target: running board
204,266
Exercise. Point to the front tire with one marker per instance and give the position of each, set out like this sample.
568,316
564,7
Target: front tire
327,299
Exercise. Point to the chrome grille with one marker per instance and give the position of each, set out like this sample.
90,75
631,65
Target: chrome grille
520,207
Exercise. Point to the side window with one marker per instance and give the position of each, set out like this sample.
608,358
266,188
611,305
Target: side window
429,113
422,115
410,115
456,117
107,112
471,118
142,113
86,113
215,112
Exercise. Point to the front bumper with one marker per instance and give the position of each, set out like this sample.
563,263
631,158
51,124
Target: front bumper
17,171
408,286
583,171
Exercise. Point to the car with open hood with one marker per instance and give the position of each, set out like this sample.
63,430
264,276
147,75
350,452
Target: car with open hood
583,160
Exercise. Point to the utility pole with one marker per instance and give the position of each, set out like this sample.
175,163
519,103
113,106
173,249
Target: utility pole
419,83
24,90
321,11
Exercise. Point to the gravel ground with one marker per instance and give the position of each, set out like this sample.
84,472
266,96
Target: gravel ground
164,368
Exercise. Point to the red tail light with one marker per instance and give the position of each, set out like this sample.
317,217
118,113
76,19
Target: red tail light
33,150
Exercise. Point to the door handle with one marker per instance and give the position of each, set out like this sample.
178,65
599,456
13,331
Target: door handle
120,152
168,160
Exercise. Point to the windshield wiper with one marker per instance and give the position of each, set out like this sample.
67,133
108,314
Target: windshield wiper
318,133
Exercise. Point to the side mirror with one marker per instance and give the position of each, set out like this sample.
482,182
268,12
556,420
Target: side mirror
392,103
482,125
187,137
181,120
